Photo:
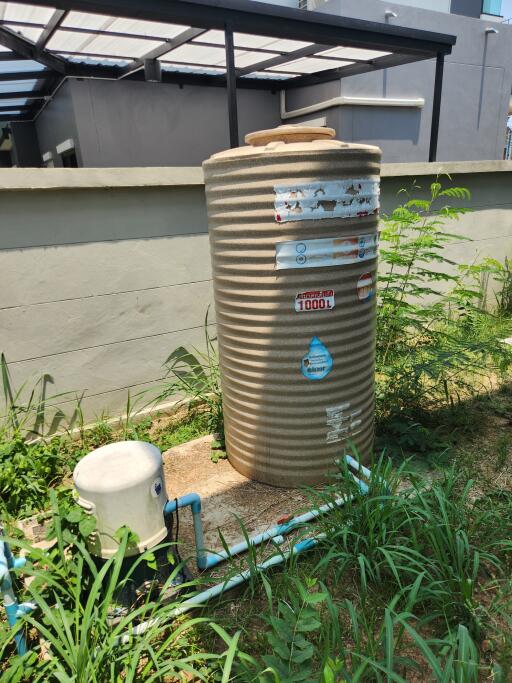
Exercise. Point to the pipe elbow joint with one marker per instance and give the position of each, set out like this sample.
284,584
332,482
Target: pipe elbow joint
195,504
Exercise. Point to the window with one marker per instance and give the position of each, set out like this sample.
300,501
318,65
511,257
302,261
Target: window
492,7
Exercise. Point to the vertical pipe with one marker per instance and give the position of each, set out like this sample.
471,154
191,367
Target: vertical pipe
231,86
436,107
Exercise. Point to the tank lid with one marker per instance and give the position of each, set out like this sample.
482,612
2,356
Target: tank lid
117,466
289,133
291,139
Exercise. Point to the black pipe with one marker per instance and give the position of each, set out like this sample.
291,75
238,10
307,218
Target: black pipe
231,87
436,107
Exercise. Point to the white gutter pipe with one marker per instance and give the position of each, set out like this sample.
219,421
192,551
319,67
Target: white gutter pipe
346,100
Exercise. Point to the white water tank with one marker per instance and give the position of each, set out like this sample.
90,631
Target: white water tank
122,484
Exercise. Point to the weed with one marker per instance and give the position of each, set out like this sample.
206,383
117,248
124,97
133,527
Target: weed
195,376
74,598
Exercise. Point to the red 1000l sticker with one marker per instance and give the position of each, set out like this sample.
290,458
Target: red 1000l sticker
315,300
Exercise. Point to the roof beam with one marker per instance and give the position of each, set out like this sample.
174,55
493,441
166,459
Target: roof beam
24,75
14,107
10,57
282,59
26,95
53,24
270,20
14,117
162,50
350,70
29,50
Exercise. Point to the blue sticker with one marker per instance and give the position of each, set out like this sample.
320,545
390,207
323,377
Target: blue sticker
317,363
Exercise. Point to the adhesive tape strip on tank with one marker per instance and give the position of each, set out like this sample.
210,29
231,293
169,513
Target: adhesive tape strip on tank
349,198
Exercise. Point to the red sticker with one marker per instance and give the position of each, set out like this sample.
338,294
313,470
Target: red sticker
315,300
365,287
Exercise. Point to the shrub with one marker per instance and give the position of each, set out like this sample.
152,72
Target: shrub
436,344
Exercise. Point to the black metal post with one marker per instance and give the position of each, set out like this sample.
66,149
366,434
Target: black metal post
231,87
436,107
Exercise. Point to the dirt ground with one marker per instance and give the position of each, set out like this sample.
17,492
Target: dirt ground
226,495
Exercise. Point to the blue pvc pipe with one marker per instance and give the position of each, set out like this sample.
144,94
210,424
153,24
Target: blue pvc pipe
220,588
207,560
13,611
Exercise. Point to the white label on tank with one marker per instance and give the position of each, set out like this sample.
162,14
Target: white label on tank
349,198
315,300
329,251
341,424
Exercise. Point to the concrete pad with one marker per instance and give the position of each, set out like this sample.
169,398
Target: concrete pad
225,495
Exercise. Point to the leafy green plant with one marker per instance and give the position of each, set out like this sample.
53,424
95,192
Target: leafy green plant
26,408
435,342
503,275
80,642
195,376
26,473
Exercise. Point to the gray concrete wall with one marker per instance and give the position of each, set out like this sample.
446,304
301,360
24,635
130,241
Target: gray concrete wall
153,124
476,91
434,5
103,273
24,152
57,123
469,8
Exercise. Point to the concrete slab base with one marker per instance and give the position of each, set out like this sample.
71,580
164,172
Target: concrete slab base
228,498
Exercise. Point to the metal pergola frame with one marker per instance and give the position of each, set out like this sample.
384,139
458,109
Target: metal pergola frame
322,31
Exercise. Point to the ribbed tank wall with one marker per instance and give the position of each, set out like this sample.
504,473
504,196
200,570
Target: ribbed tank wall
283,427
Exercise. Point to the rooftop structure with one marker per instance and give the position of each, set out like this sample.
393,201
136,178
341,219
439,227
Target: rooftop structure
236,44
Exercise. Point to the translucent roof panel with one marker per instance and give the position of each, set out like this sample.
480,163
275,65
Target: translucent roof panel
67,41
14,103
19,65
247,40
309,65
101,22
250,58
16,86
11,11
84,58
272,75
196,54
353,53
183,68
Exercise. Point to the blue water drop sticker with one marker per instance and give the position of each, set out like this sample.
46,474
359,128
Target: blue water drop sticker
317,363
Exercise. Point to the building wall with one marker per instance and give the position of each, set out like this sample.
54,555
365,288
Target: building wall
57,123
24,152
105,272
434,5
153,124
476,90
469,8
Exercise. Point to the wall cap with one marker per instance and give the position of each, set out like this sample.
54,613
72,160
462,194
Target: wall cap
178,176
91,178
443,167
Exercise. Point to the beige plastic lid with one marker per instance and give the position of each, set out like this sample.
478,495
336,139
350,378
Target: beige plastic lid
289,133
289,139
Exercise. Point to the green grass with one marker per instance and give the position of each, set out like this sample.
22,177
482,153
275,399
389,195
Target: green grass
411,582
29,470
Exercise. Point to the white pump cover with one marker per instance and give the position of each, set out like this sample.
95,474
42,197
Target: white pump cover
122,484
